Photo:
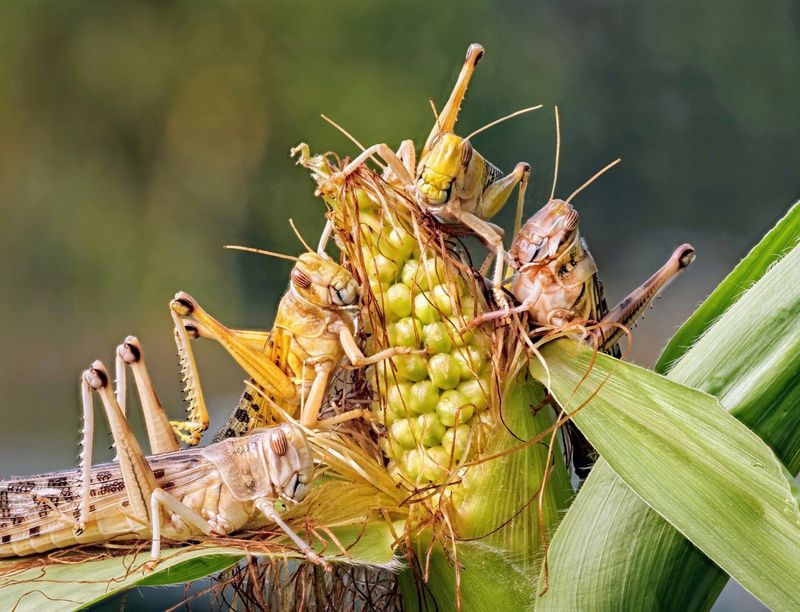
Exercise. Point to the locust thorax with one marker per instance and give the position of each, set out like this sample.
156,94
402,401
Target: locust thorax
546,236
273,462
323,282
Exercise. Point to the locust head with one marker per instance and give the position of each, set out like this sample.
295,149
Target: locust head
288,461
546,235
447,159
322,281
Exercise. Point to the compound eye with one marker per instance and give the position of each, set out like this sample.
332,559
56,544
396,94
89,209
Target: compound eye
301,278
278,442
466,152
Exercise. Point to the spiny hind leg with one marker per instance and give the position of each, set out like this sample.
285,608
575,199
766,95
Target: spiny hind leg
159,433
137,476
624,315
247,348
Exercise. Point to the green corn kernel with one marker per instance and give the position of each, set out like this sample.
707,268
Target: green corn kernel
451,404
443,298
385,267
444,371
455,440
363,200
470,359
402,241
423,397
409,273
435,464
432,272
429,429
412,463
407,332
402,432
398,399
424,308
411,367
436,338
476,392
398,300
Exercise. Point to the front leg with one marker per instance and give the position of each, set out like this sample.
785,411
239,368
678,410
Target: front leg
160,499
356,356
267,507
387,155
494,241
407,156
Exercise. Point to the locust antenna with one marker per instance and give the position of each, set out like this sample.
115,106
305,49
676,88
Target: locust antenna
351,138
558,155
596,176
501,119
300,236
433,108
235,247
347,134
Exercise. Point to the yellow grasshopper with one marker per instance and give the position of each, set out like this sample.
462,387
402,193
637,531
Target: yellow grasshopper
179,494
293,364
452,180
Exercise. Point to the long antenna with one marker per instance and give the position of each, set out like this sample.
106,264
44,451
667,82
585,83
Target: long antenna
351,138
594,178
235,247
433,108
347,134
300,236
558,154
501,119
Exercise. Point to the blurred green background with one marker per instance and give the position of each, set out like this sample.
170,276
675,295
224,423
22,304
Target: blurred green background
138,138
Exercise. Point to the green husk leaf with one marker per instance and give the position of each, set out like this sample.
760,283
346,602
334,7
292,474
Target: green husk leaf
68,586
622,551
490,579
702,470
500,507
769,250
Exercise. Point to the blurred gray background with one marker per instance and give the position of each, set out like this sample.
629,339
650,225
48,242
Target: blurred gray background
138,138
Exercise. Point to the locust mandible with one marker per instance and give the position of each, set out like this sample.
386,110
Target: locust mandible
452,180
293,364
183,494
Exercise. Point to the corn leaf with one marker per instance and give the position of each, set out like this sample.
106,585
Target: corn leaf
624,555
702,470
501,507
67,586
770,249
489,579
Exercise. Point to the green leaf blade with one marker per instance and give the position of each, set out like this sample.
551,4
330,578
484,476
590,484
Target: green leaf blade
730,504
634,555
769,250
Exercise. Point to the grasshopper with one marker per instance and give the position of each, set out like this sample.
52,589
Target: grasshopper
183,494
293,364
557,284
452,180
